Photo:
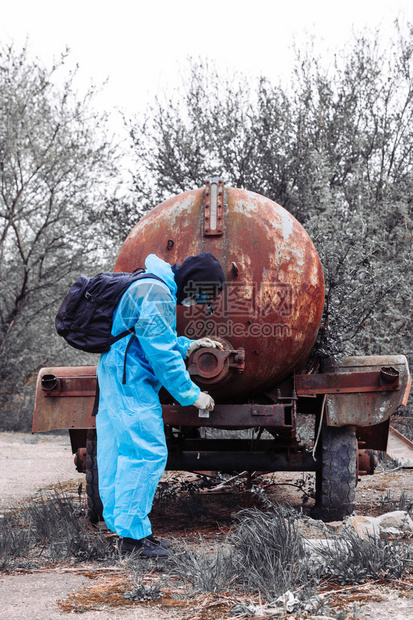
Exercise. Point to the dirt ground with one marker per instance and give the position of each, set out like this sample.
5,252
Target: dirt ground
30,463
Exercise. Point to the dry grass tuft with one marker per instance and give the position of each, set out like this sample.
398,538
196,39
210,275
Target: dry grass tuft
50,529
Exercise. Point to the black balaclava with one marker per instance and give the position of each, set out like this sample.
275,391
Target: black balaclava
199,270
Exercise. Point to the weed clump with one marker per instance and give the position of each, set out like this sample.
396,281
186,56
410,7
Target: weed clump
271,552
142,592
205,571
355,560
405,502
49,529
14,541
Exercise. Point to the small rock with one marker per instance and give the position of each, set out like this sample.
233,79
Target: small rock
365,527
399,519
318,545
334,525
391,531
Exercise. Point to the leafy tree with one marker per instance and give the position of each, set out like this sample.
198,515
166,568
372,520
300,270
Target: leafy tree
334,148
57,168
360,126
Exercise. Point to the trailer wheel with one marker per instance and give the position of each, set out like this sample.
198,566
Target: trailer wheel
336,482
94,503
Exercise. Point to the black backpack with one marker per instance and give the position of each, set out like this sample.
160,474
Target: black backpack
84,319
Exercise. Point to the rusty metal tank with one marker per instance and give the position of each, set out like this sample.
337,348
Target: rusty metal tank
269,313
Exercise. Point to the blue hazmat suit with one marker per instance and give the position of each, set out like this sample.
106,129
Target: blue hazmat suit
131,447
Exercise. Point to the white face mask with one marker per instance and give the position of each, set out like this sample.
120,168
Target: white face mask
189,301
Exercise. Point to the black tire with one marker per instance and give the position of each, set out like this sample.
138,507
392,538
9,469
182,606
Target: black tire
336,482
94,503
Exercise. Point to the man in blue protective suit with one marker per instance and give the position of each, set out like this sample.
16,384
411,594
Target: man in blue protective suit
131,444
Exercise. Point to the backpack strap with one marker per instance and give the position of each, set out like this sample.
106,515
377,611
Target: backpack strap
125,358
96,401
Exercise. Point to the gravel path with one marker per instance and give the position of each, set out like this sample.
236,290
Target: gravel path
29,463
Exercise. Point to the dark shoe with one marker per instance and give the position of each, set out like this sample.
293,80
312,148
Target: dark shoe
144,548
165,544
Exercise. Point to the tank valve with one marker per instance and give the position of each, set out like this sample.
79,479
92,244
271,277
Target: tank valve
213,365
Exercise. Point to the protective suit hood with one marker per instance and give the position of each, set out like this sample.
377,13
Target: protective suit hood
201,269
157,266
